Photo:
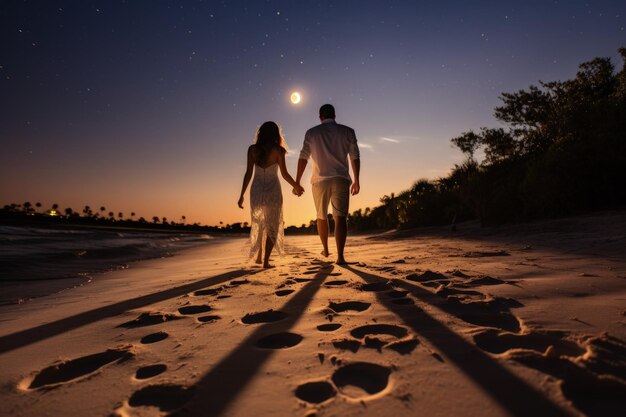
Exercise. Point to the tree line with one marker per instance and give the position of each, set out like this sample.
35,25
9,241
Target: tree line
34,214
562,152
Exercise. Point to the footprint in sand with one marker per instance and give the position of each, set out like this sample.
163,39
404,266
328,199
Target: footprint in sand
360,380
396,294
472,306
208,319
494,341
379,329
303,279
194,309
149,319
263,317
154,337
594,382
353,345
329,327
282,293
425,276
379,336
458,273
165,397
221,297
358,306
316,392
280,340
404,347
489,313
287,282
209,291
150,371
237,282
335,283
62,372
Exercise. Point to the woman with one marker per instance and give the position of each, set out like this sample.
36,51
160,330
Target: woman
265,157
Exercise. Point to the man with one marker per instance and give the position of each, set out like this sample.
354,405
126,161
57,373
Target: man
329,145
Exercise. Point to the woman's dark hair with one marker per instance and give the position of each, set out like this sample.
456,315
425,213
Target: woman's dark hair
268,137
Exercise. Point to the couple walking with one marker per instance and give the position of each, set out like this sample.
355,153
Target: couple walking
329,145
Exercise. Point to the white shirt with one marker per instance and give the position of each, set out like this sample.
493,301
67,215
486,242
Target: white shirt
329,144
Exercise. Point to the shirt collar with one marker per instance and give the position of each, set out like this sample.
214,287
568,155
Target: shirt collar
329,121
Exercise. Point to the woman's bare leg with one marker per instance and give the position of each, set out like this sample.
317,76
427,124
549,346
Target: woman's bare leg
258,258
269,245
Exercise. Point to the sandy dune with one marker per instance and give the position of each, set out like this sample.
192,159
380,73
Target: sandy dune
516,321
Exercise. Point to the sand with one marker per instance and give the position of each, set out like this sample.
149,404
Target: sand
524,320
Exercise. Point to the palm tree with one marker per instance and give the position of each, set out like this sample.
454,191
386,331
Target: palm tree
120,215
111,215
102,210
132,214
155,219
27,207
87,211
164,220
38,205
69,212
55,206
183,218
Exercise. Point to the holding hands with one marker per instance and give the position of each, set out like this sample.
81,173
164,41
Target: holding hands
298,190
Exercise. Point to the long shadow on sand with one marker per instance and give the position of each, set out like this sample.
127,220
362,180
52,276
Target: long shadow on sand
509,391
221,385
35,334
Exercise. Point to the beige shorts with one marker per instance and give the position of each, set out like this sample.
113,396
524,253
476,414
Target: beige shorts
335,191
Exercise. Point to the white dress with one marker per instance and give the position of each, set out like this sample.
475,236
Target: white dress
266,206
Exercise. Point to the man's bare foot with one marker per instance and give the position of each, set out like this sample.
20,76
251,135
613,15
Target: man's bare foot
267,265
258,261
341,261
325,253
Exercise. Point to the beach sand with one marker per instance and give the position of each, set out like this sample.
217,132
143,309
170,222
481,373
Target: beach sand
523,320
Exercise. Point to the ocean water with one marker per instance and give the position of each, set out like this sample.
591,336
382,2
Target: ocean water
40,261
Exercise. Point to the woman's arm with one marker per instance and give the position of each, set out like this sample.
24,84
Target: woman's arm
247,176
283,171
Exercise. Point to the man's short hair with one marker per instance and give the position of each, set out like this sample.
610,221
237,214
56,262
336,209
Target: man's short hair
327,111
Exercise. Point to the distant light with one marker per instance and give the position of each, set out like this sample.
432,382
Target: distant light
53,213
295,97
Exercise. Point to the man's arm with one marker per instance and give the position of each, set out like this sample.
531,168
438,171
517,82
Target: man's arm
356,170
355,161
305,154
301,166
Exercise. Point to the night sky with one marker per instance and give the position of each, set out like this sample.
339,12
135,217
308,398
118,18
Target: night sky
149,106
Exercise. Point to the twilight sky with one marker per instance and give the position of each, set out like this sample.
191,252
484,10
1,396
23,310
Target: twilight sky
149,106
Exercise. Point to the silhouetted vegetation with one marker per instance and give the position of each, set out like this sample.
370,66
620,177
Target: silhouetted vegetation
563,152
26,215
